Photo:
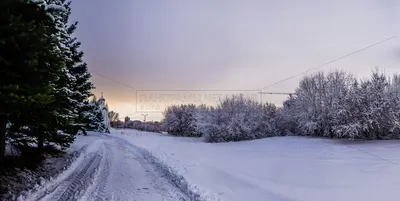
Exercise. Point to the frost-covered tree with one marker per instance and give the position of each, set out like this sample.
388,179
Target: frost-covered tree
394,105
313,110
332,104
181,120
171,121
32,68
237,118
94,117
337,105
368,110
287,120
208,121
72,86
205,119
376,107
77,69
347,113
233,119
188,120
44,82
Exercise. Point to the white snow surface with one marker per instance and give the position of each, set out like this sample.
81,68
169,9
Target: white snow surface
108,168
136,165
55,7
276,169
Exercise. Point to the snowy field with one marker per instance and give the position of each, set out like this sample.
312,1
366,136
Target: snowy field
276,169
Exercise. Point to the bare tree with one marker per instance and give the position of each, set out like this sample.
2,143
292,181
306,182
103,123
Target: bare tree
113,116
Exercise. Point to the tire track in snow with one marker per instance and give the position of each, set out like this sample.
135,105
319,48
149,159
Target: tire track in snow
77,182
98,191
40,194
155,172
177,180
92,177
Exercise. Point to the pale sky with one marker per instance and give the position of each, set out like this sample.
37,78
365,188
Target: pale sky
228,44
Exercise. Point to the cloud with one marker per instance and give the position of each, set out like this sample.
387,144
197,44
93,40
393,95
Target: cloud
231,44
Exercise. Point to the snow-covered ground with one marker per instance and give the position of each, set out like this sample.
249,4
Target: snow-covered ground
108,168
135,165
275,169
52,166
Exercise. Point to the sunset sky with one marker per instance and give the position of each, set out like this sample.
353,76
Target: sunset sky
229,45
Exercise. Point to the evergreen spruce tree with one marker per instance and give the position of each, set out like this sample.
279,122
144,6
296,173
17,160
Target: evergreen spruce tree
73,87
77,70
58,113
30,65
44,84
94,117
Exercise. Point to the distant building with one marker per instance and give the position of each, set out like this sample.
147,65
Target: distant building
104,110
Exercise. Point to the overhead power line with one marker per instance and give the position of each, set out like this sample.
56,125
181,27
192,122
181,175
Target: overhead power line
114,80
329,62
277,93
283,80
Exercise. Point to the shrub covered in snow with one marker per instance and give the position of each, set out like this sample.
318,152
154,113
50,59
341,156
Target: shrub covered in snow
334,105
237,118
181,120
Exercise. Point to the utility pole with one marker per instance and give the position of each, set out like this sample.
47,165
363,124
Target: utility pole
145,115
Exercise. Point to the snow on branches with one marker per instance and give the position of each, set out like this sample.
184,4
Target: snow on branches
234,119
335,105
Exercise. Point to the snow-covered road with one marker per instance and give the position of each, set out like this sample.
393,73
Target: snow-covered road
109,169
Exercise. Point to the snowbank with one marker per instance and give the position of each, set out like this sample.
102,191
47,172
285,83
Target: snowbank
54,169
280,168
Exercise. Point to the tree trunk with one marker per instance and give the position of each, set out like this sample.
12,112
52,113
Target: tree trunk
40,142
3,125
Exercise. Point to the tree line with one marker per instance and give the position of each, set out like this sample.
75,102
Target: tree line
45,84
334,104
149,126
